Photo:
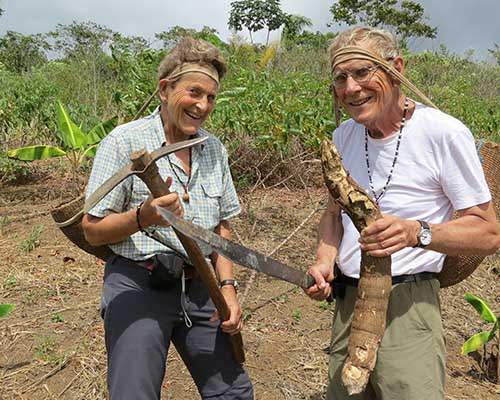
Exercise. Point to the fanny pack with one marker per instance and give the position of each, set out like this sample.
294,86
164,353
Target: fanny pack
167,271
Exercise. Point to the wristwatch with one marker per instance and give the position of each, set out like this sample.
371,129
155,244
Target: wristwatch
232,282
424,238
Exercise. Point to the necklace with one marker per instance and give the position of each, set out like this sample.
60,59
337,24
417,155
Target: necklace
185,185
396,153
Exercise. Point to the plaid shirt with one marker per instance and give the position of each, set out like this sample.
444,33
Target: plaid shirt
212,196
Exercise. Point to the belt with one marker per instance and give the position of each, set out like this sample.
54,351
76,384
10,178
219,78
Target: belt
189,271
421,276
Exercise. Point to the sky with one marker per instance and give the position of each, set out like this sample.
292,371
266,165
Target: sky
462,24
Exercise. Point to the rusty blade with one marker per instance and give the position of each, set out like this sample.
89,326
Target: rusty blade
237,253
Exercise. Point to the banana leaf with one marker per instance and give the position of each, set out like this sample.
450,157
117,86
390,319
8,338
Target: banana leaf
69,133
475,342
481,307
39,152
98,132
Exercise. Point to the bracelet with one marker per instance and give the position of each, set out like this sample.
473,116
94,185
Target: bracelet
137,213
231,282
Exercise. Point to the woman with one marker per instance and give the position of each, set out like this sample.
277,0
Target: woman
141,314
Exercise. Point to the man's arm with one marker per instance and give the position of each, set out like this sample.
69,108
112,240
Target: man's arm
475,231
330,234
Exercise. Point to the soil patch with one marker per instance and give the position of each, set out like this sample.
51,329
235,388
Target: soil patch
53,347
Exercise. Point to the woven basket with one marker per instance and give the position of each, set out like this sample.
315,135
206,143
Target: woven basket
68,217
457,268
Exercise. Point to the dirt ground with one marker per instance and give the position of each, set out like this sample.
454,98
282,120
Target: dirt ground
52,345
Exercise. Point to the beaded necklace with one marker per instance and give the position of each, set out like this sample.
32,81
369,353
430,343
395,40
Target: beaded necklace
185,185
389,177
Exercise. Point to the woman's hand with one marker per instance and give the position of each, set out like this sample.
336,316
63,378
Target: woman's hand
235,322
149,215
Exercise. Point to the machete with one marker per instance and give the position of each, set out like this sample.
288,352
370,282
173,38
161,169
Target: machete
239,254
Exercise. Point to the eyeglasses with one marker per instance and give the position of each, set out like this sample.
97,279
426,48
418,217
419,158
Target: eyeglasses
360,75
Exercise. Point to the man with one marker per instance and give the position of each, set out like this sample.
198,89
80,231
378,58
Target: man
420,165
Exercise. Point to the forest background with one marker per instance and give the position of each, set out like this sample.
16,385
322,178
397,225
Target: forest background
274,102
272,111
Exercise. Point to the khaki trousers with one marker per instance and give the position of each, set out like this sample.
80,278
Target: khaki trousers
411,358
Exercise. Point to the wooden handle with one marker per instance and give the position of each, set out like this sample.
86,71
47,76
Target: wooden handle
158,188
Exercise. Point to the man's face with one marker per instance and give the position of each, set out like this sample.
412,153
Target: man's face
189,102
363,89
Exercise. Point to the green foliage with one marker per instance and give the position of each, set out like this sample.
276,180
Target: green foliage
10,283
25,103
495,52
6,309
20,53
297,315
324,305
11,170
469,91
57,318
75,144
275,109
485,312
45,348
174,35
312,40
33,240
81,38
136,78
405,18
481,339
294,25
270,102
255,15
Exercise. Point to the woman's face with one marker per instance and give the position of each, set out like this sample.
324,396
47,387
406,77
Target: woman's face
366,101
188,102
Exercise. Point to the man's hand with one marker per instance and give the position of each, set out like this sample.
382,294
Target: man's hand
235,322
149,215
388,235
323,275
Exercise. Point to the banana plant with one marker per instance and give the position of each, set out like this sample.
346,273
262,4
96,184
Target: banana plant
75,144
482,338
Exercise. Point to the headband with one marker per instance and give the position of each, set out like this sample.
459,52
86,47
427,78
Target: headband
354,52
184,68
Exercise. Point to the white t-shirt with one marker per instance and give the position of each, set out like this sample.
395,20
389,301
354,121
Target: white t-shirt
437,171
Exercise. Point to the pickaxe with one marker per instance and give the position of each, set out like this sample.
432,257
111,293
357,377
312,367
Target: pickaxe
144,166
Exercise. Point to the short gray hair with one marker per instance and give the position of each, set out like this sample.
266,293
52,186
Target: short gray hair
191,50
380,41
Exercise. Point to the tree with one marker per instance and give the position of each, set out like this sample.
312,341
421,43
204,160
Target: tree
404,18
174,35
85,45
84,38
293,27
255,15
19,53
495,52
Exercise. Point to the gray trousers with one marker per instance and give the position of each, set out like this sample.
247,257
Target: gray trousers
140,323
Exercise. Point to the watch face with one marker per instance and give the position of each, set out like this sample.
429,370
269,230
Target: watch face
425,237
